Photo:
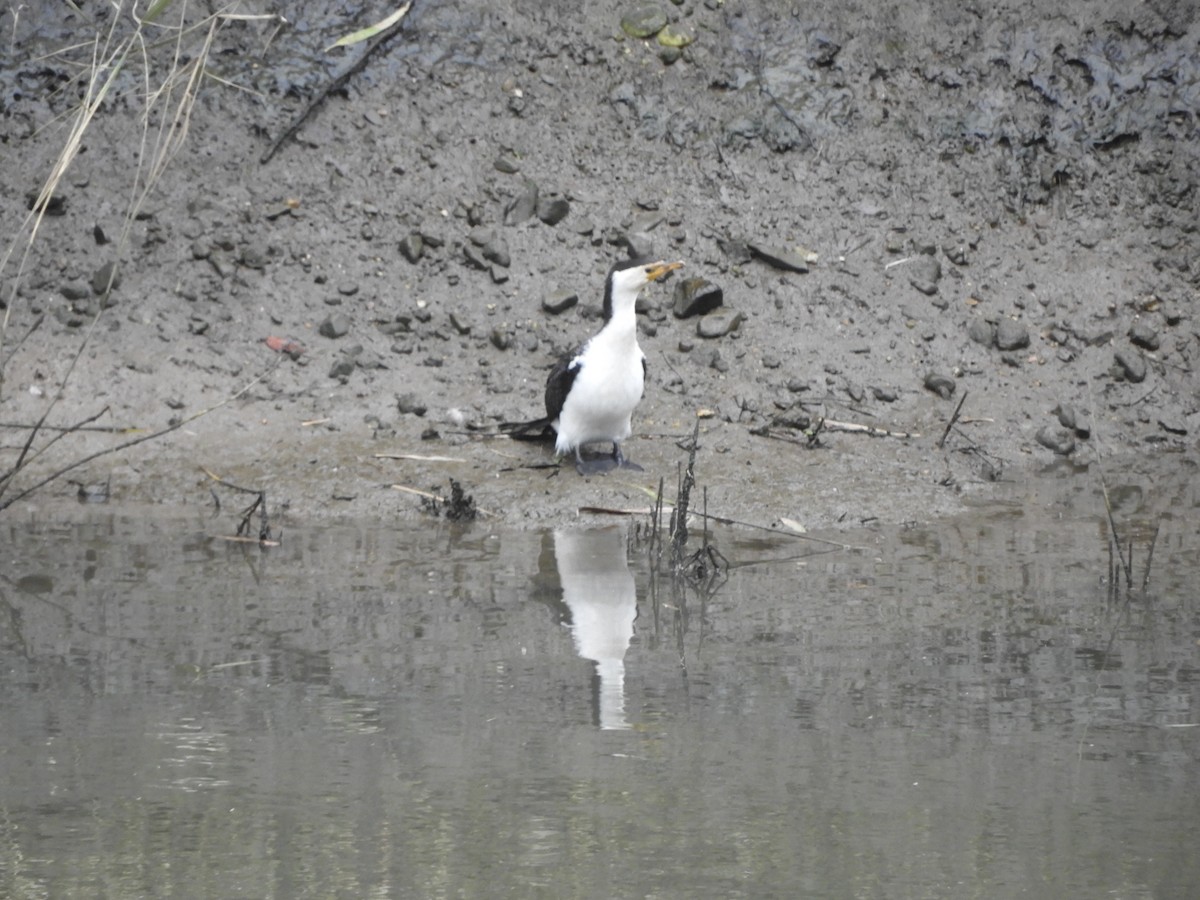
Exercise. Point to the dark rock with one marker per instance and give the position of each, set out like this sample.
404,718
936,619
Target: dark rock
719,324
1132,364
460,322
551,212
499,275
99,235
559,302
1173,426
885,394
780,257
1069,418
411,403
335,326
981,331
638,244
1011,335
106,278
55,204
342,368
523,206
474,258
1144,335
496,250
501,338
942,385
669,55
255,256
480,236
76,290
737,250
925,274
955,252
696,297
643,20
1059,440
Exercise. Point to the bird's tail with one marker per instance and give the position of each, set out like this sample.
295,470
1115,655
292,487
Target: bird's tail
533,430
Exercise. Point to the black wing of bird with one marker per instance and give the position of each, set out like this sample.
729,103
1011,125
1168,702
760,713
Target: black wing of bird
558,385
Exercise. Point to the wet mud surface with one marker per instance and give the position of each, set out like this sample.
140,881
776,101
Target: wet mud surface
990,202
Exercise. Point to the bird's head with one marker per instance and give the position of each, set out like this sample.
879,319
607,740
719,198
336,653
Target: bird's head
627,278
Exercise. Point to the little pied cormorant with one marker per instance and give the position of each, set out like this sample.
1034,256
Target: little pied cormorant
591,394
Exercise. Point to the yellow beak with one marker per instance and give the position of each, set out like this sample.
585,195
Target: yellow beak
655,271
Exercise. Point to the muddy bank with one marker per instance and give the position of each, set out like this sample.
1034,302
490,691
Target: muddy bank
900,207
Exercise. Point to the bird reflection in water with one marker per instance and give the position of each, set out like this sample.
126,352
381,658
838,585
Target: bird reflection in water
599,590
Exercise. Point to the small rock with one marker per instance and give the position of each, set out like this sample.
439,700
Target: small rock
99,235
412,247
955,252
1132,365
643,21
885,394
738,251
981,331
942,385
559,302
696,297
411,403
106,278
925,274
781,257
76,290
1070,419
551,212
499,275
1144,335
501,338
481,235
474,258
496,250
335,326
507,165
638,244
1173,426
459,322
1011,335
718,324
675,37
522,206
255,256
1059,440
342,368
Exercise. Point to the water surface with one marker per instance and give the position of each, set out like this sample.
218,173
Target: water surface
966,709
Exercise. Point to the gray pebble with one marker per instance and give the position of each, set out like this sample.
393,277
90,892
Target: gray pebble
559,302
522,206
103,276
719,323
1059,440
941,384
1144,335
885,394
411,403
551,212
696,297
412,247
981,331
335,326
779,257
1011,335
1132,364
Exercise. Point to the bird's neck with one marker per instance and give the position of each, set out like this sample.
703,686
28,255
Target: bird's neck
621,328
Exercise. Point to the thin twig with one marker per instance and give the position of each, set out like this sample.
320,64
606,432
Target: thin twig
334,85
954,418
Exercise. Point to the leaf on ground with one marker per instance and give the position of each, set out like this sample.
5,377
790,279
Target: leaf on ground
365,34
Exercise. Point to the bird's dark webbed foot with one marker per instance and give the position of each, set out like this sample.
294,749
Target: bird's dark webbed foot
623,463
595,465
